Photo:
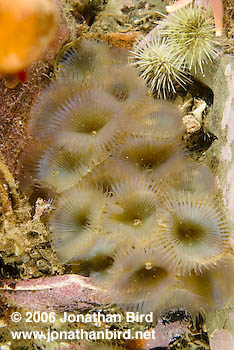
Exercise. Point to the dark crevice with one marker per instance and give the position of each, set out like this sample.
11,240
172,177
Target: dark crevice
8,270
199,90
199,142
86,11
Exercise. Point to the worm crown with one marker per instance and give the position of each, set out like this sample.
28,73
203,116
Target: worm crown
139,277
79,214
192,232
133,208
148,155
90,119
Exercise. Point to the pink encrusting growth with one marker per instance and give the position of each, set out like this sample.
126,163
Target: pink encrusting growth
217,7
54,293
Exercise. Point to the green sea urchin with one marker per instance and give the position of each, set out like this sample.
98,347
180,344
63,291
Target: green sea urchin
217,6
159,66
191,36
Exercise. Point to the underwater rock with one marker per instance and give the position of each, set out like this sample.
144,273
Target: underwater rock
221,339
220,159
221,123
54,293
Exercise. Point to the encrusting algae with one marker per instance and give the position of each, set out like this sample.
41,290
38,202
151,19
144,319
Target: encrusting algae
137,185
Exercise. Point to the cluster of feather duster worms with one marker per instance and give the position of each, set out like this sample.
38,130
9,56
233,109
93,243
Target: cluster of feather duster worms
132,210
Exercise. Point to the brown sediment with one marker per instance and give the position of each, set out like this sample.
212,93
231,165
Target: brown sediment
117,39
15,105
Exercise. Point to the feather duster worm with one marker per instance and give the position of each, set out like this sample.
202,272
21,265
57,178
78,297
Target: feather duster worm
133,208
160,118
123,161
191,177
56,168
91,119
149,155
106,174
97,258
81,59
210,289
192,232
78,215
121,82
139,278
47,106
